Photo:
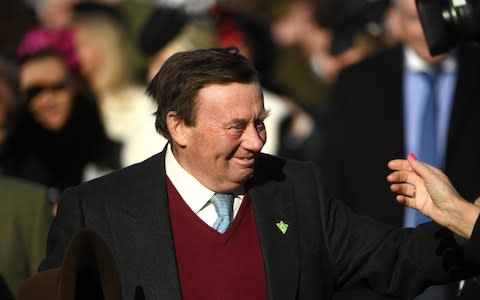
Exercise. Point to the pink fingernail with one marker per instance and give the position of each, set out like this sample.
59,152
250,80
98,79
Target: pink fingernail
411,155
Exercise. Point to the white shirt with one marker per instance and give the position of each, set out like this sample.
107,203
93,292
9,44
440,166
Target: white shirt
196,195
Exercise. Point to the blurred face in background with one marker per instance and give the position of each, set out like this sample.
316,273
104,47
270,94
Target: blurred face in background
54,13
45,82
102,51
407,27
89,54
298,26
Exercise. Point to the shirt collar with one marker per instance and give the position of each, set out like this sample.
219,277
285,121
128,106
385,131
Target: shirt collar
414,62
192,191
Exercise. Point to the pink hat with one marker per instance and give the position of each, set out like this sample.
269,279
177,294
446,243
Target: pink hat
41,39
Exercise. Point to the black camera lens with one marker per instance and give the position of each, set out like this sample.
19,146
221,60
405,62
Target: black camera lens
447,23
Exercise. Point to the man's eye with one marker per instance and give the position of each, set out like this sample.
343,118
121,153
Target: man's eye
238,127
260,125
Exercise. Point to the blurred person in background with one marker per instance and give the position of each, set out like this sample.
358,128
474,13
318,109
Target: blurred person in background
331,36
56,14
58,132
294,29
53,14
103,47
25,217
168,30
377,114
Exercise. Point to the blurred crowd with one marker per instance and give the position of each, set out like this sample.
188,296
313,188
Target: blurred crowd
73,75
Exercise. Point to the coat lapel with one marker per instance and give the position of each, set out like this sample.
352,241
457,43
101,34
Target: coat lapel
143,229
273,205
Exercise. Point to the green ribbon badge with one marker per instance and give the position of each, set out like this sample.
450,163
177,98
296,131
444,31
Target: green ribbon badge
282,226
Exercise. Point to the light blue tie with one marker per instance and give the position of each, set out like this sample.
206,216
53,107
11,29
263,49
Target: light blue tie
224,206
428,137
429,133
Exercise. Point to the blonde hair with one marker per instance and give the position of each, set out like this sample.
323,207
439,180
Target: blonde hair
112,41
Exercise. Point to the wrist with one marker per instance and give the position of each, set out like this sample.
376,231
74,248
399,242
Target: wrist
462,218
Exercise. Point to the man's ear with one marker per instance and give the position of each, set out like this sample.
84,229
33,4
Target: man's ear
177,129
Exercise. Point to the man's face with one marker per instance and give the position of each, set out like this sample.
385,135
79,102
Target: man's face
411,31
219,150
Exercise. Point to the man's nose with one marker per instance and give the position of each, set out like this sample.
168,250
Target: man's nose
254,139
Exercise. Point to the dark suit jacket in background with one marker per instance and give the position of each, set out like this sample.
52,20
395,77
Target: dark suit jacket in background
366,131
325,247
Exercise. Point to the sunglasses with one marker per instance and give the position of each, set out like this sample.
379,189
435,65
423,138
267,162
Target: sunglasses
34,90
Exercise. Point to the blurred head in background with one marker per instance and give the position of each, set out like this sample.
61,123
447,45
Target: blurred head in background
168,30
103,47
46,63
53,14
406,26
58,131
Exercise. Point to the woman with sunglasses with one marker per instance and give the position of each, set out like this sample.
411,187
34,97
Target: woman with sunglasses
59,131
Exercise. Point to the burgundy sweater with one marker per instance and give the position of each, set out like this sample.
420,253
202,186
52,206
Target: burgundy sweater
212,265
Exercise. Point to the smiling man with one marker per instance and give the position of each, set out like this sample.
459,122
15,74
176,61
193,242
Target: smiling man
229,131
210,217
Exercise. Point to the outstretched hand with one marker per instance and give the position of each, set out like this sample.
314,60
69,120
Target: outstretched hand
427,189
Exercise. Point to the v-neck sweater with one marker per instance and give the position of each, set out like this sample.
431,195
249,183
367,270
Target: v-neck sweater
212,265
